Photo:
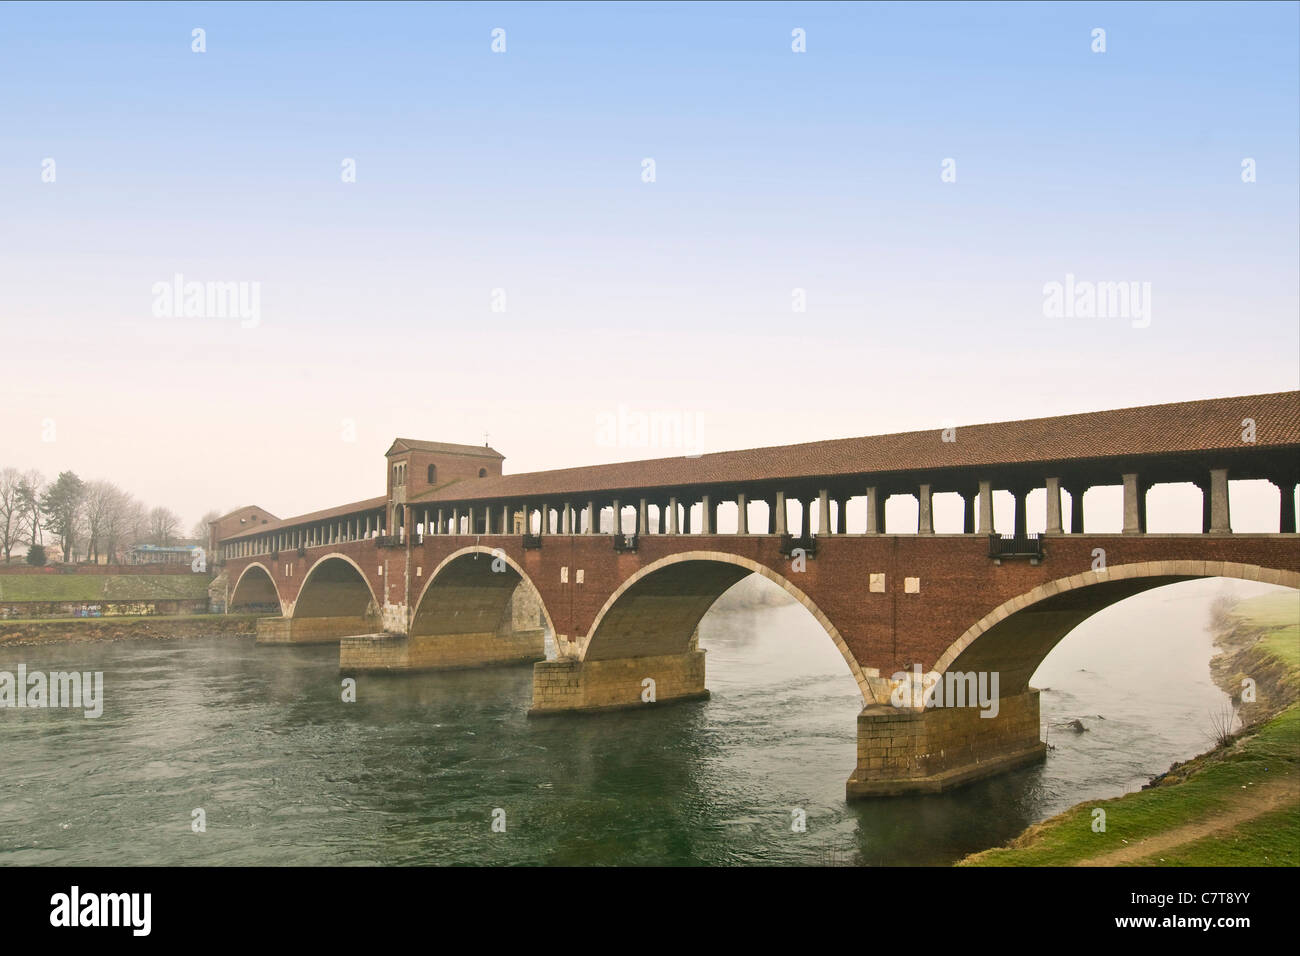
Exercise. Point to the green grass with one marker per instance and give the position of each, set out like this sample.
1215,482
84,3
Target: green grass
1211,786
93,588
1271,839
1281,613
1213,789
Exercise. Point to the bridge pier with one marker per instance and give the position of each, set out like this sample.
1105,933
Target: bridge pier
573,685
905,752
310,630
435,652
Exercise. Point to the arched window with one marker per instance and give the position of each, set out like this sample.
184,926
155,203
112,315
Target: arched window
482,472
433,474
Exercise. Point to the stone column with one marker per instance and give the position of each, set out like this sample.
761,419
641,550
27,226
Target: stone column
672,516
805,525
643,518
1220,517
1286,505
618,517
841,515
986,508
968,511
1076,508
874,524
686,516
823,512
706,515
925,511
780,513
1054,506
1143,488
1132,511
455,520
593,519
742,517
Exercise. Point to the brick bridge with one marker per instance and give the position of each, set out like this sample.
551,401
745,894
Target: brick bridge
459,565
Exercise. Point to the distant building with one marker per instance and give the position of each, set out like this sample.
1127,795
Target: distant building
154,554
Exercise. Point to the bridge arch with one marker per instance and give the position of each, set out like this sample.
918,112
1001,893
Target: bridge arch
657,610
336,587
465,595
477,608
1015,637
255,588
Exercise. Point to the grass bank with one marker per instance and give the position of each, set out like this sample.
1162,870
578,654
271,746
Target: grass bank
21,588
1237,805
157,627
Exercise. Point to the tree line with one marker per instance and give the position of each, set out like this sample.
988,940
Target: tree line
92,518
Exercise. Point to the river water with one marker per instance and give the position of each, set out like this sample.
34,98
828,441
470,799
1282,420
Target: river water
417,769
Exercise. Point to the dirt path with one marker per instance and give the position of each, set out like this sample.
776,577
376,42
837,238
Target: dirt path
1255,802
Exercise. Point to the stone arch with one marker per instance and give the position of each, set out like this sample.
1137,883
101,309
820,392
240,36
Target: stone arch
470,614
336,587
1016,636
255,590
481,592
657,610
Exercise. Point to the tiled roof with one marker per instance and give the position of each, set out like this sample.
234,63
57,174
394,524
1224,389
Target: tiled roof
339,511
1180,427
447,448
1202,425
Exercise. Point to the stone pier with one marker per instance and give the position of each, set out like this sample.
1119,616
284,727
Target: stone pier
310,630
569,685
902,751
426,652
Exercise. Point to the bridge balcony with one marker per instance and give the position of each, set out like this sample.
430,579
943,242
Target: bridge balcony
532,542
1010,546
625,543
806,543
389,541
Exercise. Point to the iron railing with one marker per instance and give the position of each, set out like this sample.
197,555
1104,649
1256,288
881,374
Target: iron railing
1013,546
806,543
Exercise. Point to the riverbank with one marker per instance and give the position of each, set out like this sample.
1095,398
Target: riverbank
83,593
1236,805
30,633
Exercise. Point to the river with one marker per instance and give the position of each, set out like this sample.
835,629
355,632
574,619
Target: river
419,767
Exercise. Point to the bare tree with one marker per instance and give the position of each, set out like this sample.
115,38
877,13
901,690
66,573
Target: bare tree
30,490
103,501
122,516
11,523
164,525
200,531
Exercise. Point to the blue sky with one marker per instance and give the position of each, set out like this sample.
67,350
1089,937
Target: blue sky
521,171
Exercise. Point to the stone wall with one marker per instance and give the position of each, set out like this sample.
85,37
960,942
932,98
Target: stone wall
908,751
394,652
36,610
310,630
599,685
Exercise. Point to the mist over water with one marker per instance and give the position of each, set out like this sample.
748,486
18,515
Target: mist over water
411,773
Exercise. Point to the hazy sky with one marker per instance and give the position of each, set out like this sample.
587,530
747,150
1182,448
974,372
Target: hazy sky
522,171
